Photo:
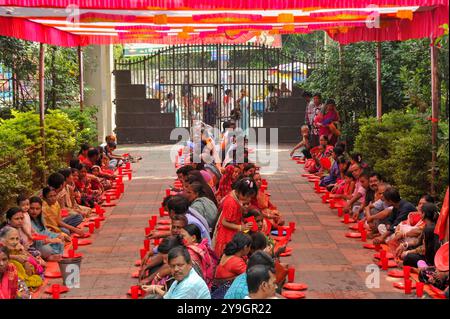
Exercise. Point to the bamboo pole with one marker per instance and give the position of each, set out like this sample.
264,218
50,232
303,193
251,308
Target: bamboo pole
81,76
42,101
434,113
378,80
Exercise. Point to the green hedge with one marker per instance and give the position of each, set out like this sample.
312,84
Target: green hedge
399,148
65,130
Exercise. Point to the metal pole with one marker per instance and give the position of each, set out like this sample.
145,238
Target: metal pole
81,76
378,63
42,101
434,113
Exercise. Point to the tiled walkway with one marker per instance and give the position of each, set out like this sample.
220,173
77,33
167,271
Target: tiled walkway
333,266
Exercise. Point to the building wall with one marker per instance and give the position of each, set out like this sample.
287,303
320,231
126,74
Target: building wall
98,68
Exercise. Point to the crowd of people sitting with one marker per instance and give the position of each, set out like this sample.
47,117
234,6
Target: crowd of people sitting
219,244
407,229
38,228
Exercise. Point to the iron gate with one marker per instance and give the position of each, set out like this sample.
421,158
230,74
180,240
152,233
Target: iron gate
182,77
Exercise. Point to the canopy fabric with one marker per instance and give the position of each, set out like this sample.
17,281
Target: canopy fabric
85,22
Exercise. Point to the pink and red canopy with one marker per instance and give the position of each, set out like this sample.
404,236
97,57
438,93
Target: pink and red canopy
84,22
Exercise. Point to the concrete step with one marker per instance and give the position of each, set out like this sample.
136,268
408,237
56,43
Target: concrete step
130,90
137,105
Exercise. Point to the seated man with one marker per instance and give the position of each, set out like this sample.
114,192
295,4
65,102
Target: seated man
355,204
378,211
239,287
188,284
261,282
400,211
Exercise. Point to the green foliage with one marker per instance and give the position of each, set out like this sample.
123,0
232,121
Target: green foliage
399,148
348,75
86,124
21,142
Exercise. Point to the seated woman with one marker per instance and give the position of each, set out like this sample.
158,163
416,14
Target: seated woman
263,223
28,268
8,276
335,172
203,257
100,183
423,238
52,247
83,153
196,176
231,217
202,204
303,144
231,265
52,215
229,177
345,188
67,197
15,218
262,202
324,150
83,184
249,170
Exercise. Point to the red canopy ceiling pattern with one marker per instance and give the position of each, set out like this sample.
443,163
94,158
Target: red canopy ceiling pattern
80,23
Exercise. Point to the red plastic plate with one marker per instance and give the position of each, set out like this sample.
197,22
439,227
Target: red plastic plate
76,255
62,289
286,254
84,242
388,256
164,222
391,264
163,227
295,286
353,227
108,205
395,273
350,220
369,246
353,235
86,235
401,285
290,294
52,274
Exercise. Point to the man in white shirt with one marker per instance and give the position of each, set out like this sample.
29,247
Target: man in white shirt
261,282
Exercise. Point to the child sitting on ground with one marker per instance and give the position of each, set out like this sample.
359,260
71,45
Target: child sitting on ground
344,189
304,143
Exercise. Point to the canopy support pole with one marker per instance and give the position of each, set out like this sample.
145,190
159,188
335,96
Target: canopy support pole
378,80
434,113
81,76
42,101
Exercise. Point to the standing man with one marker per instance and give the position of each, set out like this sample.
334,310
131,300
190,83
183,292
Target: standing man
312,109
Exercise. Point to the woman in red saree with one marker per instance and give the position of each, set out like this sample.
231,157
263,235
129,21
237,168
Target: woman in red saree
324,150
8,276
262,202
229,177
231,217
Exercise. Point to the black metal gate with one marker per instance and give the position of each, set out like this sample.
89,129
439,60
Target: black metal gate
182,78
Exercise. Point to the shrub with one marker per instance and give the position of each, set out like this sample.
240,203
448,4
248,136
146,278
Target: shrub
399,148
